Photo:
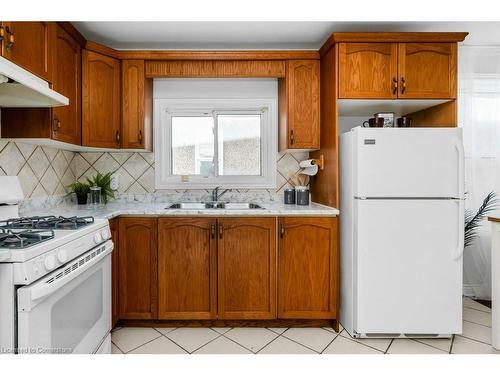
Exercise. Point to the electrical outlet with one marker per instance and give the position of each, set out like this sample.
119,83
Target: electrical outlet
114,183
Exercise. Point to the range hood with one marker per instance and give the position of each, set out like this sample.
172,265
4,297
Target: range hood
22,89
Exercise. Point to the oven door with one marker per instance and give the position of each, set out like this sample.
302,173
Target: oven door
69,310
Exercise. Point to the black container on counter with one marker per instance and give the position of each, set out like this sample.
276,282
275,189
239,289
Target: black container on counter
289,196
302,195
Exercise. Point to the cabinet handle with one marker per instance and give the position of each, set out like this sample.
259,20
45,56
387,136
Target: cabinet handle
140,137
292,137
2,32
221,228
117,137
57,125
282,230
394,86
403,85
212,230
10,40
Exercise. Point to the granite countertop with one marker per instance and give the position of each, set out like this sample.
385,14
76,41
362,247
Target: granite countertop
114,209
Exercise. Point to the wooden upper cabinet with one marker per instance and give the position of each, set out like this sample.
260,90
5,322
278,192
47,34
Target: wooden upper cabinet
247,268
368,70
138,268
187,268
137,106
428,70
115,267
308,268
67,78
100,100
298,95
29,45
397,70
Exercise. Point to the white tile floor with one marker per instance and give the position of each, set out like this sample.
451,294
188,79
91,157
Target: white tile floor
475,338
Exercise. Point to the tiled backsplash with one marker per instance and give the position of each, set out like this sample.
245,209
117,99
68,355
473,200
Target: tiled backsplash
46,171
43,171
135,171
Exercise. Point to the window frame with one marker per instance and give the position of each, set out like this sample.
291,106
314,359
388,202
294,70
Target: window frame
164,109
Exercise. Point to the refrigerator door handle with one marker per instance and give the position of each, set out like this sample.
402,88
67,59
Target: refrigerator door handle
460,230
460,150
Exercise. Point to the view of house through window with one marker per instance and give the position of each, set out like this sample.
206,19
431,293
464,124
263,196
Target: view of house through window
216,144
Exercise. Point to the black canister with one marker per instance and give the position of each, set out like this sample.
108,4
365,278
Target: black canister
302,194
289,196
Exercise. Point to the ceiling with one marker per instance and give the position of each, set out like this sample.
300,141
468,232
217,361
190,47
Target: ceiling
259,35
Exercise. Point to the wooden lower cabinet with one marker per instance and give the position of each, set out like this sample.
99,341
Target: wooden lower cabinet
115,279
246,268
187,268
138,268
207,268
308,268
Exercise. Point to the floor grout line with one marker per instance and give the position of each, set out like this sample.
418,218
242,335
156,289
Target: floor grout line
236,342
452,342
330,343
473,308
476,340
180,346
484,325
388,347
423,343
279,335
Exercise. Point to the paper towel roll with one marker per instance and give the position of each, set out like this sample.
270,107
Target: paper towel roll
306,163
310,171
308,167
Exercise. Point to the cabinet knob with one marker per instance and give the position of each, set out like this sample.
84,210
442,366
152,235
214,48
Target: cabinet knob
292,137
10,40
212,230
394,86
221,229
282,230
139,137
2,33
403,85
117,137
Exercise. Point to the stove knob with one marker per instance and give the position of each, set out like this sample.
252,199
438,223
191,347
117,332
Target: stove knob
62,256
50,262
97,238
104,234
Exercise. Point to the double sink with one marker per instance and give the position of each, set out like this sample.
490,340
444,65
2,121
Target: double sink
214,205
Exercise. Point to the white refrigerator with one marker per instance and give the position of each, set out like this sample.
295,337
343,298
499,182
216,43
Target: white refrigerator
401,231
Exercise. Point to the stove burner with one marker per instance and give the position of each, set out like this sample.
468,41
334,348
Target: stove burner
47,222
24,239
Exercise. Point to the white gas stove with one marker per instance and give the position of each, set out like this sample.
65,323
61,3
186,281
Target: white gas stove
55,281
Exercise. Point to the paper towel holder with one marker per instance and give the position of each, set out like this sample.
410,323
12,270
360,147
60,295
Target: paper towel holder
319,162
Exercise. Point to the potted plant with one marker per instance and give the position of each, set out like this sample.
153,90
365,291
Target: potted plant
104,182
81,189
473,220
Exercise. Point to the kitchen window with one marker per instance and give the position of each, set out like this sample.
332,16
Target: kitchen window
215,142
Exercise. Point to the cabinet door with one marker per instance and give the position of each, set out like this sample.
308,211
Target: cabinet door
308,268
115,267
427,70
28,44
187,268
247,268
100,100
66,74
138,268
136,106
303,104
368,70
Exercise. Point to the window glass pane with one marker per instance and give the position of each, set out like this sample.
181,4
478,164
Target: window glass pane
239,145
192,145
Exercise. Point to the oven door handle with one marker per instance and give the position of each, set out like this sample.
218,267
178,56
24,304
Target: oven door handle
41,289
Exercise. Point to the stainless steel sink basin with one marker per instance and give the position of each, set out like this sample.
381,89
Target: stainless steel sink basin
239,206
213,205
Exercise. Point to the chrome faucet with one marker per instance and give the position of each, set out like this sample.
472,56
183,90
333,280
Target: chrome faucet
216,195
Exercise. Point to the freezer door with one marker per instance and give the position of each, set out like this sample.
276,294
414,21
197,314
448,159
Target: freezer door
409,267
403,162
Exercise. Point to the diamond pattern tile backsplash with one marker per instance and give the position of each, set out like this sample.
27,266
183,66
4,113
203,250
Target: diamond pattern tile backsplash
46,171
43,171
